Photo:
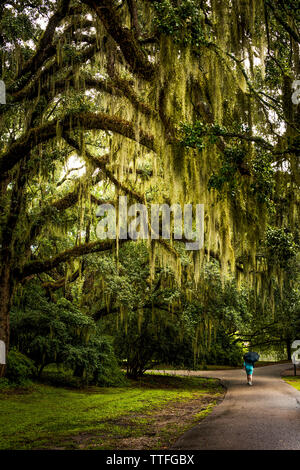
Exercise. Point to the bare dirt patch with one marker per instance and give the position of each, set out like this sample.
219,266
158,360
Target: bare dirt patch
156,430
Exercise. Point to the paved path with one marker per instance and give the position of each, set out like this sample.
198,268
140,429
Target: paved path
265,416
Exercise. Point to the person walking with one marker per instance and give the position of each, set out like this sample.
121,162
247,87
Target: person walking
249,359
249,371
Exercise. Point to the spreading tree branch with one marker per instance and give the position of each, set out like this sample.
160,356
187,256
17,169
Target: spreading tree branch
45,44
124,37
87,121
37,267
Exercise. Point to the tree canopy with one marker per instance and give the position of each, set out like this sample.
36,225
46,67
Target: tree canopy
165,102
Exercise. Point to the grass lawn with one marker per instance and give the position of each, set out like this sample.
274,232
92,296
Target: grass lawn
293,380
149,414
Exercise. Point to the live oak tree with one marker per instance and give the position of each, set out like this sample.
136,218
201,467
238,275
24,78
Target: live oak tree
167,101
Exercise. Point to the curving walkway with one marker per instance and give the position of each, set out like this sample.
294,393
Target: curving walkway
265,416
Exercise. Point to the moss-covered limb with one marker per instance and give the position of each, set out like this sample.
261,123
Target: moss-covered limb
138,171
72,198
294,34
117,87
165,307
67,175
258,95
165,119
36,61
83,83
127,90
95,200
249,138
54,285
86,83
132,5
24,80
98,162
87,121
8,245
37,267
62,204
48,70
139,197
125,38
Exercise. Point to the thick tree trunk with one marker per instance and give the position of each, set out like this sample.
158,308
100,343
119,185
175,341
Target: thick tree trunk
5,303
8,244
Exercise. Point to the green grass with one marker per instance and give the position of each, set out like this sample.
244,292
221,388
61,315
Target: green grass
44,415
293,380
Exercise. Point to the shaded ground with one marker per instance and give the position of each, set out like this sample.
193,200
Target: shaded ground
157,430
149,414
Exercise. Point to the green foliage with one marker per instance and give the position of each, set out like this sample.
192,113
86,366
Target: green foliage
58,333
55,330
280,245
273,329
184,21
193,135
45,330
107,373
225,351
233,163
5,384
19,368
16,26
192,332
263,173
152,338
232,159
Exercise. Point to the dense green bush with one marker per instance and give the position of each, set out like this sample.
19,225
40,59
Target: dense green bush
4,384
220,354
19,367
108,373
59,333
149,341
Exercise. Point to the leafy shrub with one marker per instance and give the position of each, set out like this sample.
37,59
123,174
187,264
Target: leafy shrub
4,384
280,246
108,373
19,367
59,333
228,356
